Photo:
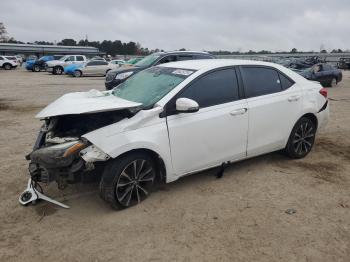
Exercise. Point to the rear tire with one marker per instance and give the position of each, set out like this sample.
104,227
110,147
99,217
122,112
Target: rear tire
301,139
128,180
77,73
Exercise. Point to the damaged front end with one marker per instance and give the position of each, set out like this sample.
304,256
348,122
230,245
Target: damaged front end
61,154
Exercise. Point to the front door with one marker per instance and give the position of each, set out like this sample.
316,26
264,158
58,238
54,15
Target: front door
217,132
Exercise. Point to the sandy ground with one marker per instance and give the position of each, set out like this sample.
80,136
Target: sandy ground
240,217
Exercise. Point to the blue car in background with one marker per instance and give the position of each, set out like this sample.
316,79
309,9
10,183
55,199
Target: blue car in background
39,64
69,69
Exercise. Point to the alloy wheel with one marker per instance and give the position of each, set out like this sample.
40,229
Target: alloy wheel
303,138
135,182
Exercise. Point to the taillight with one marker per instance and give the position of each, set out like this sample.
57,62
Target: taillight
324,92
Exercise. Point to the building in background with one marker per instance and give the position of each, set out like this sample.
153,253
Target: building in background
26,50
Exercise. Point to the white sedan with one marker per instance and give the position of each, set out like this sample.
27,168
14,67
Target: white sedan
176,119
94,68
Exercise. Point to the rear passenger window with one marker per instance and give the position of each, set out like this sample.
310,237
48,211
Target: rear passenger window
260,81
167,59
215,88
92,63
184,57
285,82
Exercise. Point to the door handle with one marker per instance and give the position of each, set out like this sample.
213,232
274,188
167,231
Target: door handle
293,98
237,112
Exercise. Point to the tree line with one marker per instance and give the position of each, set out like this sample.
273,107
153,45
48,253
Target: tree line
118,47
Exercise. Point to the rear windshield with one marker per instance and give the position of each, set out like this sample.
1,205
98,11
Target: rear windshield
11,57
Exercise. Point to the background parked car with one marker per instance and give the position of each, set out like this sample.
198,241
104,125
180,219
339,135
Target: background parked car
31,57
8,63
19,60
40,64
326,74
344,63
115,77
92,68
118,62
97,58
133,60
57,66
303,63
69,69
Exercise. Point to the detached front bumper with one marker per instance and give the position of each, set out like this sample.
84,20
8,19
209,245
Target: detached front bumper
49,163
65,162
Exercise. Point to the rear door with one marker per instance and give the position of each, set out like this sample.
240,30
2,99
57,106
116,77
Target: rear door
79,59
217,132
274,105
90,68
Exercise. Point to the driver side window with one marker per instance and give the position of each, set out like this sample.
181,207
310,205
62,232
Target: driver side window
215,88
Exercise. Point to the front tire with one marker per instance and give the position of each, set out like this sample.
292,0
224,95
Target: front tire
36,68
57,70
301,139
7,67
128,180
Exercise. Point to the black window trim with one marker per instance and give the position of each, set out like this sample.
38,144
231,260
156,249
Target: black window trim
267,67
176,96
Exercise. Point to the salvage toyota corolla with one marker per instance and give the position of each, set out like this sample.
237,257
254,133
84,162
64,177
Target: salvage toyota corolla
173,120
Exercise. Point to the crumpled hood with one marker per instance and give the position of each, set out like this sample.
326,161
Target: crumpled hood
92,101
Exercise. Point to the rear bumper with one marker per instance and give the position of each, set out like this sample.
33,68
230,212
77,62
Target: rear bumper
323,116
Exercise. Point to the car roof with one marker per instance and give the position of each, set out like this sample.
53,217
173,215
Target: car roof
183,52
214,63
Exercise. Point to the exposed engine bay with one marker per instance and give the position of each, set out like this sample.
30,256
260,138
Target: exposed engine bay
60,153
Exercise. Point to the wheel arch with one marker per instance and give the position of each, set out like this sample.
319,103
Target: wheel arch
309,115
160,164
81,72
6,63
312,117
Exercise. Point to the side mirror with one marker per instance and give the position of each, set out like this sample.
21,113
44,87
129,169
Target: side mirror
186,105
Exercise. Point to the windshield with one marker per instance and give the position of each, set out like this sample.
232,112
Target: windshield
147,61
63,58
149,86
43,58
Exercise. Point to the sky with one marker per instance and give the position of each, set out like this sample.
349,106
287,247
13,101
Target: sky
233,25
